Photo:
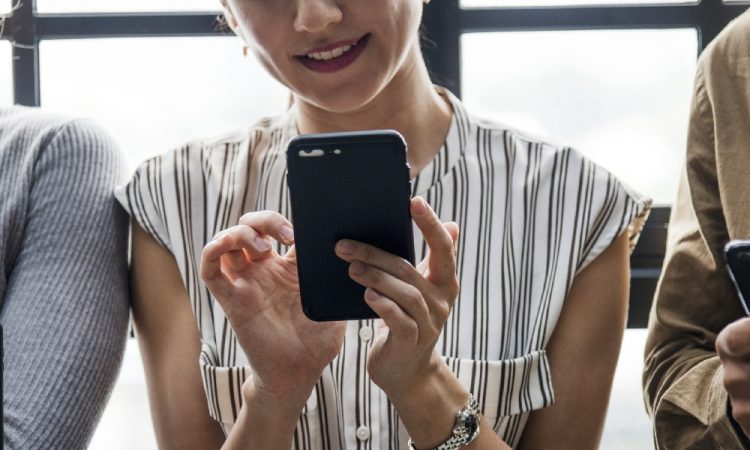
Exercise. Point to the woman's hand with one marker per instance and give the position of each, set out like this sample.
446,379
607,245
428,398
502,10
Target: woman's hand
258,290
414,303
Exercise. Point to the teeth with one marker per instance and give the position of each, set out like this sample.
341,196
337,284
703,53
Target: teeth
335,53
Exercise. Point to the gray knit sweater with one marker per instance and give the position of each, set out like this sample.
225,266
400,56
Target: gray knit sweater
63,277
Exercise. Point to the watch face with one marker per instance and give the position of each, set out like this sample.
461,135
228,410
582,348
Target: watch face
471,423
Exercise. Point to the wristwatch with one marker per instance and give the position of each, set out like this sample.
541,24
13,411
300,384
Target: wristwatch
465,430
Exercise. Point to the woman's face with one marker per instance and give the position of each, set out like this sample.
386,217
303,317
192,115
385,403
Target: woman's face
335,54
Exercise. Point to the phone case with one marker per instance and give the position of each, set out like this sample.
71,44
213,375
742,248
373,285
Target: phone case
352,185
738,264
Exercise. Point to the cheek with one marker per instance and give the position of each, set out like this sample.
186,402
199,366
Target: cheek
267,44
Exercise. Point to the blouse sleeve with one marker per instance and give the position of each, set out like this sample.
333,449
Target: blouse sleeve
142,196
613,209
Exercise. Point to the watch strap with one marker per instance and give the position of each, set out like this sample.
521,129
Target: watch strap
465,430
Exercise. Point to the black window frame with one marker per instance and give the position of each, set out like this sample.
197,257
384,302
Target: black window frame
444,22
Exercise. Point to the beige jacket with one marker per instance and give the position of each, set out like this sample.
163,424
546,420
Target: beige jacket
695,299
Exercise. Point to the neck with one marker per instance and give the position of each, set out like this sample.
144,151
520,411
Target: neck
408,104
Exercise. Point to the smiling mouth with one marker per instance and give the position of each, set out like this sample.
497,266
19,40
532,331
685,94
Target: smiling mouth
334,59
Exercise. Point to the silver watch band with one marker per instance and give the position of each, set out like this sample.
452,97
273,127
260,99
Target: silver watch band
466,429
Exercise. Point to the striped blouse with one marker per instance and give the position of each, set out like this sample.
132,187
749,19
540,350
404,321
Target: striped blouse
531,217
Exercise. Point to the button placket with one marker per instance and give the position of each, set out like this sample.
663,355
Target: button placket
363,433
365,333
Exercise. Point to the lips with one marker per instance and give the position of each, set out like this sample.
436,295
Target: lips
333,57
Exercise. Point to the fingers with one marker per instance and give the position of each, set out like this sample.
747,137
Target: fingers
372,256
269,223
734,341
440,240
228,253
210,270
380,283
733,347
245,241
291,254
399,324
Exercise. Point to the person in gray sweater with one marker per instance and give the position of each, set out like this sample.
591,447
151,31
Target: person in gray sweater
63,277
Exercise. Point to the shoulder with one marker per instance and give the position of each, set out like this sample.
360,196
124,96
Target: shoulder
519,144
41,141
729,53
219,152
37,134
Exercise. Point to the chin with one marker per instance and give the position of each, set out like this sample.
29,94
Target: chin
342,101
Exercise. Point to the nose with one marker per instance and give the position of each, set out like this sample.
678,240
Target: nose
316,15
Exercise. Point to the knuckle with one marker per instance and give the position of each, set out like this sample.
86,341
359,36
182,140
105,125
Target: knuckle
734,379
365,252
374,276
249,218
403,270
411,327
441,312
413,296
454,288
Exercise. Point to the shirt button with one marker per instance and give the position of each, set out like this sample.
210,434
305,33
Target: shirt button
363,433
365,333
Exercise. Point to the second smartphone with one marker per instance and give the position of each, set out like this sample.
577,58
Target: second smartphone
737,253
351,185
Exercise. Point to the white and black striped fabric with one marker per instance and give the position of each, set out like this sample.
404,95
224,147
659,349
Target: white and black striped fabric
531,217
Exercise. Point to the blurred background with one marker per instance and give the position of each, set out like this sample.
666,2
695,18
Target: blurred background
620,93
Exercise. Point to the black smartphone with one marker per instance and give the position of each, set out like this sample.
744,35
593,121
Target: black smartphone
352,185
738,264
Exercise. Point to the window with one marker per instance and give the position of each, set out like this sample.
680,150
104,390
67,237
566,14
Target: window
527,3
596,90
156,94
90,6
6,76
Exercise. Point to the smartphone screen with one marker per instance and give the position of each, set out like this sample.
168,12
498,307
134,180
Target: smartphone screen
738,263
346,186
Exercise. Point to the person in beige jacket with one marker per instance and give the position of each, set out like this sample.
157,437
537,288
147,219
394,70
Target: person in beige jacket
697,366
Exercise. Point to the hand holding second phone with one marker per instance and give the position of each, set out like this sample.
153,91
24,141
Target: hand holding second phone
413,302
733,347
258,290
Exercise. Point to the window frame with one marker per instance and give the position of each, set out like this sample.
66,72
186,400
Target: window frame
444,22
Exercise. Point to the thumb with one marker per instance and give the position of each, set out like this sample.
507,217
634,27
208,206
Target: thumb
452,228
291,254
734,340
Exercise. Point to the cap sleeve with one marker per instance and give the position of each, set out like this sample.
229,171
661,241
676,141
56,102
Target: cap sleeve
142,197
614,209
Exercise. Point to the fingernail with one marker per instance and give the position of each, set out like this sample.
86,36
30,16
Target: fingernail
372,295
420,206
357,268
346,247
219,235
262,244
287,233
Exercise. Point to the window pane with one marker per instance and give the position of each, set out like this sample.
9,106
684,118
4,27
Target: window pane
126,421
6,74
526,3
620,97
70,6
627,425
155,94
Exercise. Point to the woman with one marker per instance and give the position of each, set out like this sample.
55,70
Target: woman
542,265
